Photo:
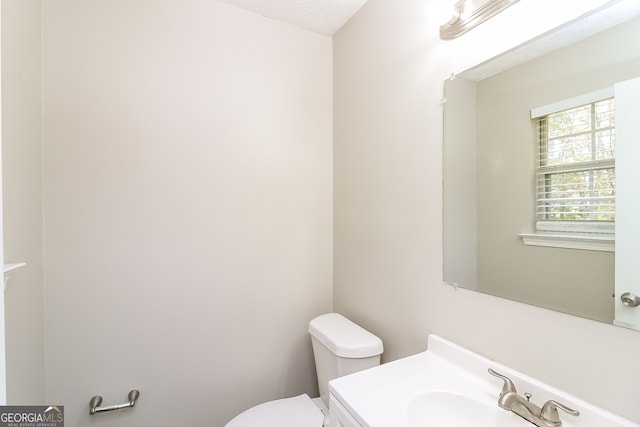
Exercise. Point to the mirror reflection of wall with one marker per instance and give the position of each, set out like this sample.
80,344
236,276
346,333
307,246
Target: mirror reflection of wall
490,178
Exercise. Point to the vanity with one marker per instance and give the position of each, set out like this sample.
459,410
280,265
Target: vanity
448,385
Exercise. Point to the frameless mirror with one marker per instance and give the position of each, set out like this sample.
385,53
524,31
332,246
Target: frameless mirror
492,149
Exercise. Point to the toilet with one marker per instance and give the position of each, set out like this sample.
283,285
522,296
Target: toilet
340,347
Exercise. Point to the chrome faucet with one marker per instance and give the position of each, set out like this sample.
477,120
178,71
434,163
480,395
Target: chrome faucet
510,400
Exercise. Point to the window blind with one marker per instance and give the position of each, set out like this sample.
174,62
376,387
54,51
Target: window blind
575,177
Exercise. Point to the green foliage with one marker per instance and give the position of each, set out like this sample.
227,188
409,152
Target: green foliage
577,163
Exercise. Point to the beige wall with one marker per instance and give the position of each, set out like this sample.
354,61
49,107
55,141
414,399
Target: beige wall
188,207
389,66
22,197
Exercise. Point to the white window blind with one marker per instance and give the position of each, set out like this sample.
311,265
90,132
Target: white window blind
575,179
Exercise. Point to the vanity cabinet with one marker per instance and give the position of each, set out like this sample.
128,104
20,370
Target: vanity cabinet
339,415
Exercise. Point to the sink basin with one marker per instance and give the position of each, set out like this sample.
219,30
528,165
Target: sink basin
448,409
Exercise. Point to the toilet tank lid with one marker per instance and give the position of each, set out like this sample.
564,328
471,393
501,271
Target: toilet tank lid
343,337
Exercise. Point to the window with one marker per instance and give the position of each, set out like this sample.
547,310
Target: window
576,164
575,170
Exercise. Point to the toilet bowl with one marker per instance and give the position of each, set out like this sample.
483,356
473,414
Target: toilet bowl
340,347
299,411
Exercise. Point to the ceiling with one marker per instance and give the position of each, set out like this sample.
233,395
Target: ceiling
320,16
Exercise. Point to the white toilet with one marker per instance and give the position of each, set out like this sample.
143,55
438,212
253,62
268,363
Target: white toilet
340,347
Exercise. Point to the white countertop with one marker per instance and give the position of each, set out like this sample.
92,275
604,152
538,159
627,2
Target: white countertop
380,397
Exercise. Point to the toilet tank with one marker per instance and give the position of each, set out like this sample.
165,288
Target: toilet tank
340,347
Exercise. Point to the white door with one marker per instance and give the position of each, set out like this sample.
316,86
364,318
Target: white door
627,203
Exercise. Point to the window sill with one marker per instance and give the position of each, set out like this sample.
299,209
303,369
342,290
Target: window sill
589,243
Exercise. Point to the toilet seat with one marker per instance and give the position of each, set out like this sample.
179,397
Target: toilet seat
299,411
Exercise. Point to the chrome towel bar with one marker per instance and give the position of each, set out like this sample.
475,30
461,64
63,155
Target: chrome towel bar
94,403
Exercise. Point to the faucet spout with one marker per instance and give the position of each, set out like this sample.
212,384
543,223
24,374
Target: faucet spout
522,407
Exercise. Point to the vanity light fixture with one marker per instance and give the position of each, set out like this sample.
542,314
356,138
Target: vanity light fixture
469,14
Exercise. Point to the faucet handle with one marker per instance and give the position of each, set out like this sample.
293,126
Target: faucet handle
550,411
508,386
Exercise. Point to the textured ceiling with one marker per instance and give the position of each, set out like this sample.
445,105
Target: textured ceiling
320,16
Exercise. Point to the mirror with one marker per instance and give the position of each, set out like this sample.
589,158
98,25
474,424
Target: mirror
490,158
